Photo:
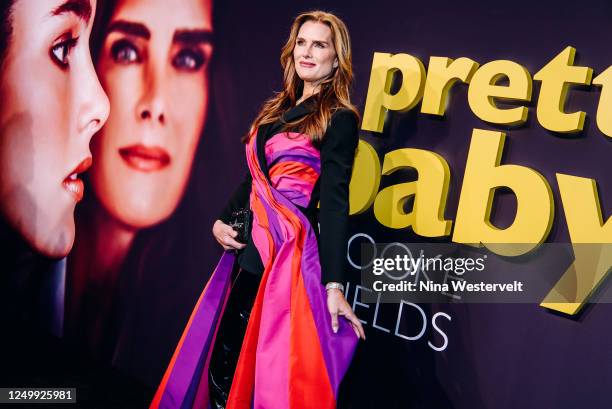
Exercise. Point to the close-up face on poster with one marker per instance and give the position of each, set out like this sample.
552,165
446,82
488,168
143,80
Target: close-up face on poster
305,205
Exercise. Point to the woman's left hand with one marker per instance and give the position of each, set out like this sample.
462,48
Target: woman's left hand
337,305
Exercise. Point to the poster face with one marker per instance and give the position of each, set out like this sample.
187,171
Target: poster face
484,140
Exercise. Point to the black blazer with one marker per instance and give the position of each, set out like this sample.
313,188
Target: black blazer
331,188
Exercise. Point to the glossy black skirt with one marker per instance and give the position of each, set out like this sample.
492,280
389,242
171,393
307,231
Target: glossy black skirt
230,335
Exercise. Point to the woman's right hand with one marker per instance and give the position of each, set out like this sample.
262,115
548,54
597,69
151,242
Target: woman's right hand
225,235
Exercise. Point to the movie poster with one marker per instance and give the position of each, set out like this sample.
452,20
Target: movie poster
479,240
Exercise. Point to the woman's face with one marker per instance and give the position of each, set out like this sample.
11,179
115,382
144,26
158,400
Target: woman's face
153,65
314,54
52,104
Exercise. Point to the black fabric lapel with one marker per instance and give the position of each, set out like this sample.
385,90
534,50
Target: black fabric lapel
261,149
293,114
266,131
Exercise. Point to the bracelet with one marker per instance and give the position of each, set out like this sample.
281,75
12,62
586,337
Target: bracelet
335,285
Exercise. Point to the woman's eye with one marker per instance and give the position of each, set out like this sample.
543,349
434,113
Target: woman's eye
124,52
60,52
300,42
189,60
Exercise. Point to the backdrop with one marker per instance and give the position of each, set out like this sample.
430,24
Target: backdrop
497,355
430,356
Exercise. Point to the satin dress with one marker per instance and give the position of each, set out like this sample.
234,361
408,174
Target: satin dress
290,358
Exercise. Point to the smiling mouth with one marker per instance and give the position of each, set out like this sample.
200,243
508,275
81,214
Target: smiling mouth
145,158
73,184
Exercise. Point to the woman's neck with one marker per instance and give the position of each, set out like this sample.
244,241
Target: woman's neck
310,88
104,239
101,246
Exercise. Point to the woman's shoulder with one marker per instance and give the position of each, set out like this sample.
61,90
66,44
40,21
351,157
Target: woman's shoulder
344,116
343,128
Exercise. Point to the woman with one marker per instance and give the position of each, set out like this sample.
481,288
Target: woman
52,104
152,58
301,149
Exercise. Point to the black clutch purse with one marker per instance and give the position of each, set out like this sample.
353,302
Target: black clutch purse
241,222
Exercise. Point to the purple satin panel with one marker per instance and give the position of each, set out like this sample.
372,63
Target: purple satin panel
284,156
199,338
338,348
297,150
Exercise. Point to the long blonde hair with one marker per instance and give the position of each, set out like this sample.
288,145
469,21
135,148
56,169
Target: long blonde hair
334,90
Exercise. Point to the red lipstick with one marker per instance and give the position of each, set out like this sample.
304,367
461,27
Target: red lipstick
75,185
145,158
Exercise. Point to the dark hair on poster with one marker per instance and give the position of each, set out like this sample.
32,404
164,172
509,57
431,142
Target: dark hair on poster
6,27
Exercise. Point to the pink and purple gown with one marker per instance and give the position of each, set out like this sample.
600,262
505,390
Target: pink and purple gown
290,358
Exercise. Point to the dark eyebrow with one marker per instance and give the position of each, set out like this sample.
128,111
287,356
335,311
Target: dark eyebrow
193,37
129,28
314,41
81,8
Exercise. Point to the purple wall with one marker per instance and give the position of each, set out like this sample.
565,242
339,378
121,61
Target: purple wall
498,356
